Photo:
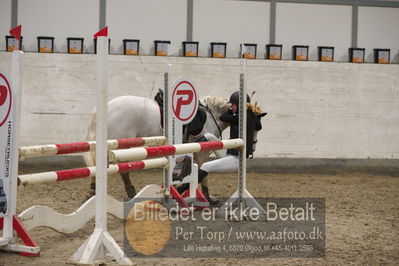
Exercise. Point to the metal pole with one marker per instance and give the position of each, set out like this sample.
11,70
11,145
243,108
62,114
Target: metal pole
14,13
167,110
355,20
272,34
102,14
189,30
241,195
242,128
242,135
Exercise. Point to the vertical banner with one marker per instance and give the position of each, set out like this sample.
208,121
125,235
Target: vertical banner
184,108
6,138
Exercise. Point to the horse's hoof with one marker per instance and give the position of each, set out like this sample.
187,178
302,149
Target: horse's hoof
213,201
131,191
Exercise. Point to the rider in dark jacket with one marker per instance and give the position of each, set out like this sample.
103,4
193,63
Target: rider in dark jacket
230,162
232,117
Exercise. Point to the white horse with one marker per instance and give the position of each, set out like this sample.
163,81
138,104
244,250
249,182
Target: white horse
132,117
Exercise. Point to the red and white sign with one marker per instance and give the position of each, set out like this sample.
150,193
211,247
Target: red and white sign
182,110
184,100
6,139
5,99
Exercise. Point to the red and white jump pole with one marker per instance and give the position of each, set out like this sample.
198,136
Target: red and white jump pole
67,148
63,175
178,149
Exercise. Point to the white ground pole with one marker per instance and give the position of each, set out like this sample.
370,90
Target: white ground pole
93,248
8,235
242,195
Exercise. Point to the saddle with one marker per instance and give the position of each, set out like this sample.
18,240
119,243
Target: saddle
159,100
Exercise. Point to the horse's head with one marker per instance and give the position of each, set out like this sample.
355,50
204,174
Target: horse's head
258,127
258,123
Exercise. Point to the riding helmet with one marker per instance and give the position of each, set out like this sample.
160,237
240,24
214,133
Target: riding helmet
235,98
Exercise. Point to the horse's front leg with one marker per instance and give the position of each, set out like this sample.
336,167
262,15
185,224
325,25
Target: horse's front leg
130,189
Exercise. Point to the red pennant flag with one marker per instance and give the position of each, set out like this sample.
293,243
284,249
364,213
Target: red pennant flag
102,32
16,32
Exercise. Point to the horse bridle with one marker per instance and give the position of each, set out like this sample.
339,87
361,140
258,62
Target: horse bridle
213,117
220,131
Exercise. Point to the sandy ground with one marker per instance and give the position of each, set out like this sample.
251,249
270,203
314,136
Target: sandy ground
362,217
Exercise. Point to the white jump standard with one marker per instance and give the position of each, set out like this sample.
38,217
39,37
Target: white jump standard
241,195
10,222
95,246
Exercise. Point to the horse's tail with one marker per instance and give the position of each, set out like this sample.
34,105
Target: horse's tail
90,157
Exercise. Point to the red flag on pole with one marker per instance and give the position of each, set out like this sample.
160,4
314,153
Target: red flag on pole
102,32
16,32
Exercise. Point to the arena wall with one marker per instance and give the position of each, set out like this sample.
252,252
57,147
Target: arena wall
316,109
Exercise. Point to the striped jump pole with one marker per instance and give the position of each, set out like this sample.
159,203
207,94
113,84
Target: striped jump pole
58,149
178,149
63,175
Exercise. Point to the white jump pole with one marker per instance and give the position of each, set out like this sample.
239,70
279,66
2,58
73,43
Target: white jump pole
15,77
242,195
242,169
167,103
94,247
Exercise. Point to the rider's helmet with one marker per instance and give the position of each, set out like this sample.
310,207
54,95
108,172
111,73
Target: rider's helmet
235,98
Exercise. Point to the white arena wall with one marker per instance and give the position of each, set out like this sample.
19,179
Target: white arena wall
316,110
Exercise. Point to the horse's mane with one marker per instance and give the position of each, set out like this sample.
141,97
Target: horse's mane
220,104
255,108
